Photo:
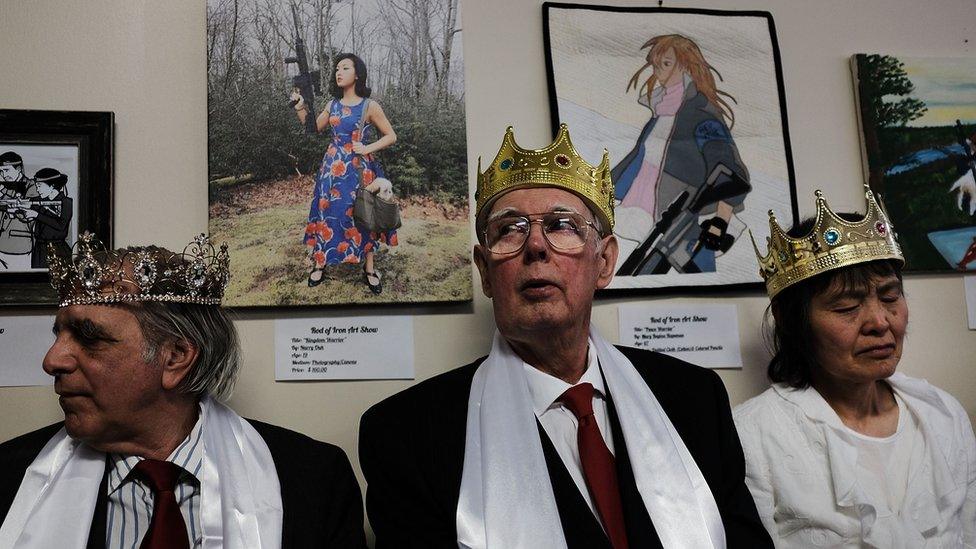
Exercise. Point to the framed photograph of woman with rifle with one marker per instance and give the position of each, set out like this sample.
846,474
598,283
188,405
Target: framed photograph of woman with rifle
690,105
338,161
55,182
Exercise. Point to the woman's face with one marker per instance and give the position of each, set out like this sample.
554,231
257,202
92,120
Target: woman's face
345,73
858,334
667,70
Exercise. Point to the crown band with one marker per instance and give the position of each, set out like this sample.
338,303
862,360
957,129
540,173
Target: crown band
93,275
832,243
556,165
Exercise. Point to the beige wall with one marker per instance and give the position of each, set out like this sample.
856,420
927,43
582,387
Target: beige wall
145,61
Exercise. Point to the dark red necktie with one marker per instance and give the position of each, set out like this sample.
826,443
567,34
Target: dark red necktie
598,464
167,530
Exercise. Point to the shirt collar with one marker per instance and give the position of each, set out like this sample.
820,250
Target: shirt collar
545,389
188,455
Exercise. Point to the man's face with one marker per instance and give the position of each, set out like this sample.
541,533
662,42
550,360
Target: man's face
9,172
538,288
106,388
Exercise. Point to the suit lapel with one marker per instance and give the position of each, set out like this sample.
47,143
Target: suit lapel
96,533
580,526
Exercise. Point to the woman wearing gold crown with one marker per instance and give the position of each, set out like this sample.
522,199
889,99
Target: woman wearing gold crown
842,451
331,235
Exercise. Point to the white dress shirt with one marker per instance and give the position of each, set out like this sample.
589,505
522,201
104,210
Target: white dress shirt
559,422
805,470
130,501
883,462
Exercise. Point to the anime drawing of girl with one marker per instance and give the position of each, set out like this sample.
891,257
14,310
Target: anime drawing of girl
683,181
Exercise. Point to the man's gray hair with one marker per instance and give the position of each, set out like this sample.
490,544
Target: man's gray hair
209,328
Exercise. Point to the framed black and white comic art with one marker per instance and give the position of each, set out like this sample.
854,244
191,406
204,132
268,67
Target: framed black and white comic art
690,105
55,183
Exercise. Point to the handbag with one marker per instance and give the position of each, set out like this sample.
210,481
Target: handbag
374,213
371,211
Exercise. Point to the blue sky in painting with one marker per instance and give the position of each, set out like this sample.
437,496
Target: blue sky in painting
946,85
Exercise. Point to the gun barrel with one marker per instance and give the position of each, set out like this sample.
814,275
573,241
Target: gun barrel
633,262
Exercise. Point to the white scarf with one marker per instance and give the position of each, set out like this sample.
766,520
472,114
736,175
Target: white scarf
506,496
239,490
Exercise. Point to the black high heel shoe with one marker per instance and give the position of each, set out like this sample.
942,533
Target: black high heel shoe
315,282
375,288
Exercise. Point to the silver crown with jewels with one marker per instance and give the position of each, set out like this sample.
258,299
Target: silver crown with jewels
91,274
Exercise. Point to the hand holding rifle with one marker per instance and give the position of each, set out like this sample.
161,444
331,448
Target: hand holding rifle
306,82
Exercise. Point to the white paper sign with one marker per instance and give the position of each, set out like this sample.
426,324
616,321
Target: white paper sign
24,340
970,282
706,335
351,347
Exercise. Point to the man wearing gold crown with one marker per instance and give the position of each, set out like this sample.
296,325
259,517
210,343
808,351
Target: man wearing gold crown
147,456
556,439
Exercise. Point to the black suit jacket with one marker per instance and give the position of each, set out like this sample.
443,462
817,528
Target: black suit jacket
322,504
411,448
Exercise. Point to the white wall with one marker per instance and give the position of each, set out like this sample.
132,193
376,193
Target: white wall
145,60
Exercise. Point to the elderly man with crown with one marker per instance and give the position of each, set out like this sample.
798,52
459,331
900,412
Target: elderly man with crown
147,456
556,439
843,451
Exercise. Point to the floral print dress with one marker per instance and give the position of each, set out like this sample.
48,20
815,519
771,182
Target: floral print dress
331,235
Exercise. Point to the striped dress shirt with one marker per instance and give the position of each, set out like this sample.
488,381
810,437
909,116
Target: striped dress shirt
130,501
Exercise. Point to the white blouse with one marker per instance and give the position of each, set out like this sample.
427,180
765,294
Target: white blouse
802,467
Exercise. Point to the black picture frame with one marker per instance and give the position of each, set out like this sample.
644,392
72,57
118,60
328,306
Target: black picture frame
92,133
788,212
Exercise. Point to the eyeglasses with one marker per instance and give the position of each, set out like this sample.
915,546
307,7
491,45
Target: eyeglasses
562,230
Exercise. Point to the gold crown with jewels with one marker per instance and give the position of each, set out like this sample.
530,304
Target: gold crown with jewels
556,165
833,243
91,274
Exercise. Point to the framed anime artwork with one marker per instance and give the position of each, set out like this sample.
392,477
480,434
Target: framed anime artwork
313,104
690,105
55,182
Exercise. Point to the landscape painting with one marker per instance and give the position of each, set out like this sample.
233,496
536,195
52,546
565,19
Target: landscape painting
918,127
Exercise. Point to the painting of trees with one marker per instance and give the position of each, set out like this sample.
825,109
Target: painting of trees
917,128
411,49
883,90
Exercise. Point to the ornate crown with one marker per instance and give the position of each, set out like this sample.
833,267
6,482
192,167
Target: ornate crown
831,244
557,165
91,274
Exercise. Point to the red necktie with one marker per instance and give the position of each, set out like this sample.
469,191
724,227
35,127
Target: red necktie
598,464
167,530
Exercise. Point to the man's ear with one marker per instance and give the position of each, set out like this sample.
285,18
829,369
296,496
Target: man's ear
607,258
480,255
177,357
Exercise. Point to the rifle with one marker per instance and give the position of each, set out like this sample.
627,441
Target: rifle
633,261
656,254
306,82
16,204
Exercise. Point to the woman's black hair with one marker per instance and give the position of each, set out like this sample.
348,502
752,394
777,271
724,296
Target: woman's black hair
790,335
362,90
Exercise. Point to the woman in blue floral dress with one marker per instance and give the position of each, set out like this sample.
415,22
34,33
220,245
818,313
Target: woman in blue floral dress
331,235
